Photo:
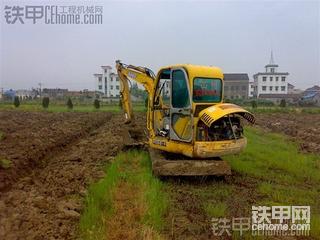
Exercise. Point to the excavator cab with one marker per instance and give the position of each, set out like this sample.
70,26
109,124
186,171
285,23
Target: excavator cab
189,126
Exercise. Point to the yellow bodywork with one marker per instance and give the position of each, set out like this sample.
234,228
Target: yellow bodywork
184,126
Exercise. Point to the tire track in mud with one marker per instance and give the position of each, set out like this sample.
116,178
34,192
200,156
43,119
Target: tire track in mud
46,204
187,218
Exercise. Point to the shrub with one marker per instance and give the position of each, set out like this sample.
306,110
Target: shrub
254,104
283,103
69,104
16,101
96,104
45,102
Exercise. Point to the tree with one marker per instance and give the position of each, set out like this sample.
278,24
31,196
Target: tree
120,103
69,104
283,103
16,101
45,102
146,102
96,104
254,104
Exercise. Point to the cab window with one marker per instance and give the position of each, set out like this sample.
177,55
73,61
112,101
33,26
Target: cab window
180,93
207,89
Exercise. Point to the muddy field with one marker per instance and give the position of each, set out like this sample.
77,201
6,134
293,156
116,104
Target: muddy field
302,128
55,156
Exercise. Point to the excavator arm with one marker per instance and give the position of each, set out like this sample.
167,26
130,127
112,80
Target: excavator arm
141,75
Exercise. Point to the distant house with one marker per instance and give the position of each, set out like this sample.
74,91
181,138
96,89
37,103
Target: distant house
276,98
251,90
236,85
293,90
54,92
312,95
9,94
107,83
26,94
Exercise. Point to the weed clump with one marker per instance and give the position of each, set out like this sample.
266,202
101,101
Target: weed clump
69,104
45,102
5,163
96,104
16,101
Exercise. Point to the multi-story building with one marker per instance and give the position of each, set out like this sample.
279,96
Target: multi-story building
271,81
251,90
236,85
107,83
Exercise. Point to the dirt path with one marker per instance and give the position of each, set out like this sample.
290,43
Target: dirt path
46,203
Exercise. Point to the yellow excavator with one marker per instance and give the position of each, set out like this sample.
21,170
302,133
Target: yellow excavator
188,126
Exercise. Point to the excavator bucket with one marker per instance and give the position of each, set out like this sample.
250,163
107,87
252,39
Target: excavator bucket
166,164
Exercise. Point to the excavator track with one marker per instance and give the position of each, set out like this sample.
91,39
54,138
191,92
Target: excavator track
164,164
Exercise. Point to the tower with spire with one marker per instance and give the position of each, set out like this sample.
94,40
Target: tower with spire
271,67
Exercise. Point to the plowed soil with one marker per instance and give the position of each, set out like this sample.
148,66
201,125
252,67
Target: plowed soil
54,157
303,128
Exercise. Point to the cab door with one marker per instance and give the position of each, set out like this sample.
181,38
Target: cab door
180,112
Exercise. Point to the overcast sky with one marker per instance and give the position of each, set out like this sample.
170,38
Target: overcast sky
234,35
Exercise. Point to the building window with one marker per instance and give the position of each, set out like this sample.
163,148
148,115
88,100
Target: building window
117,79
105,70
105,79
283,79
111,79
272,70
237,88
283,88
271,79
100,79
226,88
232,88
100,87
264,88
277,79
270,88
277,88
117,87
243,88
264,79
111,87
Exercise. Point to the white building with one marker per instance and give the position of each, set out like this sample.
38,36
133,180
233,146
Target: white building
251,90
107,83
271,81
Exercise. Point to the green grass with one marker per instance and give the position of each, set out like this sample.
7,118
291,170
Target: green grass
99,202
5,163
216,209
284,175
154,196
271,156
1,136
58,107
